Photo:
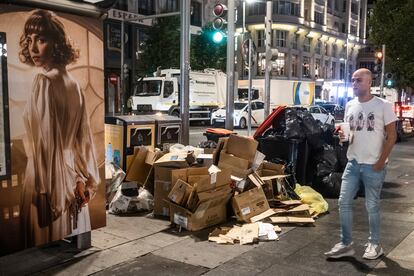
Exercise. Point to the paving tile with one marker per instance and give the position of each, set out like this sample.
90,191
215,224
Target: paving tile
153,265
283,270
202,253
103,240
134,249
165,238
405,250
234,269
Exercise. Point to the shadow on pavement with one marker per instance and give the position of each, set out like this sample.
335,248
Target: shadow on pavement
360,266
392,268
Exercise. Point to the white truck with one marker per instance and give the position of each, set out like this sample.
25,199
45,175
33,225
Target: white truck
161,93
282,92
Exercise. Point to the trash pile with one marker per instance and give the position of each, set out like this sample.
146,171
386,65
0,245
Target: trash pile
195,187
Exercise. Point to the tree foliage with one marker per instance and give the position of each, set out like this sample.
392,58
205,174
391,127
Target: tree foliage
392,23
207,54
162,47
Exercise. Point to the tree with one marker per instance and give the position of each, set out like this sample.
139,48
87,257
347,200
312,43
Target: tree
205,53
391,23
162,47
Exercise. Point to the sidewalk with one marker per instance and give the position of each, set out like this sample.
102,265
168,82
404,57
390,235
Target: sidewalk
144,245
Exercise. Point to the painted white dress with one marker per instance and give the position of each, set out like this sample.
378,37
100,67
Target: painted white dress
60,152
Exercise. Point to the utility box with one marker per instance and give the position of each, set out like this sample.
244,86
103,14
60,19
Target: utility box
125,132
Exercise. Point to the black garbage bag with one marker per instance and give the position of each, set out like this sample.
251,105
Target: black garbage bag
327,161
332,184
328,136
293,125
341,151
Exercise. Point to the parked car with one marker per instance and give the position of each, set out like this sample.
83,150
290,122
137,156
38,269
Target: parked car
240,114
319,113
335,109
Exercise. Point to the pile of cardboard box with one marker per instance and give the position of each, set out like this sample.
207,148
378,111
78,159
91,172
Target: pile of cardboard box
194,192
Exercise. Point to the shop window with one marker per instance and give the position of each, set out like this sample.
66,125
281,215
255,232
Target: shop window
295,41
260,38
279,65
307,44
281,38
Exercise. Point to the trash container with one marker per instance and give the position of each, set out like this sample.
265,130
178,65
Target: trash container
123,133
294,151
167,129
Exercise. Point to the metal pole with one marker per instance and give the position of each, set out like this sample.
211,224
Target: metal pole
268,24
185,70
249,93
382,72
230,65
122,81
346,72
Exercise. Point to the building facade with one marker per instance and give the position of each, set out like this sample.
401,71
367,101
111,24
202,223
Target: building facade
317,40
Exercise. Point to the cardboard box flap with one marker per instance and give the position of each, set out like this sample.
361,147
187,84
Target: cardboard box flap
175,160
180,192
241,146
179,174
197,171
211,194
256,180
234,161
265,214
152,157
138,170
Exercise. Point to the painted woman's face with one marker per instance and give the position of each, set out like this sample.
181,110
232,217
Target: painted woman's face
40,50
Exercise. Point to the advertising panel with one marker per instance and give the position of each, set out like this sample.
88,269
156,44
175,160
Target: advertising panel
56,105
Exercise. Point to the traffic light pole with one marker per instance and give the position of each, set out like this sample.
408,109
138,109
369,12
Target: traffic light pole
268,24
230,66
382,72
249,92
185,71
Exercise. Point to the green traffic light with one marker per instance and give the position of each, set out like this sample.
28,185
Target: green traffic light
389,82
218,37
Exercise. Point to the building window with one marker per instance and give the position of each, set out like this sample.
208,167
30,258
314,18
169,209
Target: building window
279,65
281,38
295,62
286,8
295,40
343,28
334,50
306,67
141,38
256,9
326,50
167,6
306,44
353,30
354,8
333,71
146,7
318,47
341,71
260,38
326,70
318,69
195,14
318,17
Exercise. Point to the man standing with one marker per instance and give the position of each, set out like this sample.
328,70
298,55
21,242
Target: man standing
371,139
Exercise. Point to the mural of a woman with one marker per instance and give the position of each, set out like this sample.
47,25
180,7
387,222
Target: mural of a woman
61,174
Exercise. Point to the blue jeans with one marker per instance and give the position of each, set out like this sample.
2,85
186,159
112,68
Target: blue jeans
354,173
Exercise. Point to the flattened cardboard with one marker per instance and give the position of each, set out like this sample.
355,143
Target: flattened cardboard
290,219
221,146
242,147
263,215
249,233
138,169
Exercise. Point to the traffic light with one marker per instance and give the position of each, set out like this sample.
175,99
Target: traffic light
389,82
378,63
219,22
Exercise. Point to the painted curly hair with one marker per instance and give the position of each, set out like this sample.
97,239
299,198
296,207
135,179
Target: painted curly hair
47,24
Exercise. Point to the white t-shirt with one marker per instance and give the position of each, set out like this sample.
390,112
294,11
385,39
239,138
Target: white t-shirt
367,121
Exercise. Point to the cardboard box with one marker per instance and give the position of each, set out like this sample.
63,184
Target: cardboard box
242,147
221,146
180,192
269,173
207,213
239,167
163,181
250,203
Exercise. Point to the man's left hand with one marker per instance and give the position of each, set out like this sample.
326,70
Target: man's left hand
378,166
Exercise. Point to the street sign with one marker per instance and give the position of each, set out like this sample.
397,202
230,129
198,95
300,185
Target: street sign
128,17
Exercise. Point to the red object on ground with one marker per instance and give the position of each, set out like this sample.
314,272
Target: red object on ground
222,131
267,123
